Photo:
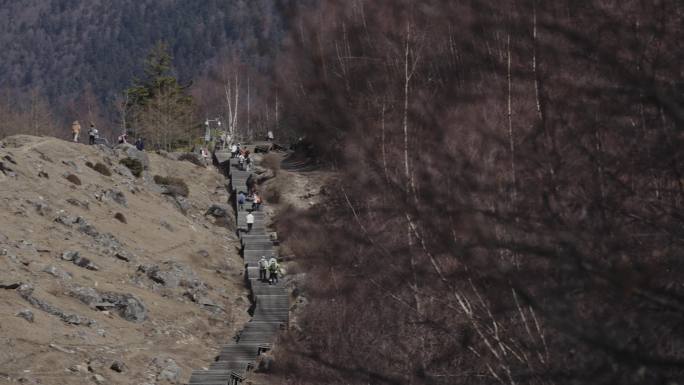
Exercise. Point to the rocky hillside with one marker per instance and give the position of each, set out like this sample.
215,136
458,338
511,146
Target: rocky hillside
112,279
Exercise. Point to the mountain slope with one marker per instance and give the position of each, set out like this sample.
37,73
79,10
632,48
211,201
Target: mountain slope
153,294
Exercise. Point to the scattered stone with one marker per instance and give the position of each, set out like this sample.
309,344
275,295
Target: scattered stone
118,366
9,159
69,255
87,295
77,203
166,225
99,379
203,253
26,314
76,258
123,256
61,349
182,203
79,368
95,365
133,153
116,196
85,263
57,272
71,164
172,274
218,210
41,208
168,370
123,171
26,292
64,219
10,285
43,174
85,227
128,306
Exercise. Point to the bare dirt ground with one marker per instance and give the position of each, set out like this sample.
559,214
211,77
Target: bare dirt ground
143,302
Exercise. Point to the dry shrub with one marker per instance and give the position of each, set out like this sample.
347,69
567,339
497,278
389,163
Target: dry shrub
192,158
272,191
73,179
100,167
120,217
175,186
134,165
272,162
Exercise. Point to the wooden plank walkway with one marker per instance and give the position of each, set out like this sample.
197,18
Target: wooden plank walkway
271,302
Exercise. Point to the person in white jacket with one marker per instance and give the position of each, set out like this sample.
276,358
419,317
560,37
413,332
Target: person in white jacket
250,221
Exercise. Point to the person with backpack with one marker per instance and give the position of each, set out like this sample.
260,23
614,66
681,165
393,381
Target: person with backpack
92,134
233,150
273,269
140,144
263,267
250,221
241,201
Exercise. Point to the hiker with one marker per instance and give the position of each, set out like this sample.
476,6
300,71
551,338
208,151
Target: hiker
241,201
273,270
205,156
250,182
233,150
92,134
250,221
248,161
256,203
123,139
263,266
241,162
76,130
269,136
139,144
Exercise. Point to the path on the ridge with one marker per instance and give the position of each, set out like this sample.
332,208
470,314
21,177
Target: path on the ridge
271,302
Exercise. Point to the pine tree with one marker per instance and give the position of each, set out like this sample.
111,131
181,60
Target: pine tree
158,106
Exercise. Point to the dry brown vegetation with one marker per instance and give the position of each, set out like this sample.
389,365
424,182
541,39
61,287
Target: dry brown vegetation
509,206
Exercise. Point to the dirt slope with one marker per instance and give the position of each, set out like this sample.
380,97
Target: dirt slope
152,296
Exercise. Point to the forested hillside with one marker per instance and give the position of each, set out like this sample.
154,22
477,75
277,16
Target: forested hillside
511,200
80,54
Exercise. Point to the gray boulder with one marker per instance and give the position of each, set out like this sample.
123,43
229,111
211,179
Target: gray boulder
69,255
87,295
26,314
168,370
116,196
218,210
132,152
56,272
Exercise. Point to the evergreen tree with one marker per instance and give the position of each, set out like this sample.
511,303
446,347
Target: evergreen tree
158,106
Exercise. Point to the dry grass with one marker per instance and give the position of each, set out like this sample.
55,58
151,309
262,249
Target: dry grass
176,186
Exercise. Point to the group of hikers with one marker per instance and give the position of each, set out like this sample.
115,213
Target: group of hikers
242,154
94,136
254,197
269,270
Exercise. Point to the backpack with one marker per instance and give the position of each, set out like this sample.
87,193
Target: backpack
241,199
263,264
